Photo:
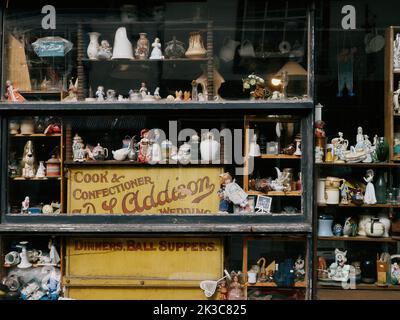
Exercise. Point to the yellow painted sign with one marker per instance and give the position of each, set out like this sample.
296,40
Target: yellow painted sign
141,268
156,190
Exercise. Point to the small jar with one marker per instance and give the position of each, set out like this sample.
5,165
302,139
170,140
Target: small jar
53,167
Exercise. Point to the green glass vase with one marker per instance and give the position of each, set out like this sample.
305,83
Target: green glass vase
382,150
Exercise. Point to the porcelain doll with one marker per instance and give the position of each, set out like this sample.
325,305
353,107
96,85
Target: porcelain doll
299,271
368,149
100,93
339,270
222,291
369,197
396,102
235,291
41,171
105,51
144,147
156,53
12,94
344,189
156,94
224,201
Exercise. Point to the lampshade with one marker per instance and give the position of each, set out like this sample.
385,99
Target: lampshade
293,69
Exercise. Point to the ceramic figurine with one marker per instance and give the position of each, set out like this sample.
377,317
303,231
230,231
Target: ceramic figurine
81,154
143,90
100,93
156,154
339,270
358,197
122,45
369,197
201,96
396,53
156,53
186,96
178,95
298,149
254,148
184,153
72,91
344,189
142,47
12,94
350,228
54,256
110,95
235,291
76,146
339,147
360,140
282,182
299,269
105,51
395,273
41,171
28,163
196,48
337,230
368,149
174,49
25,205
24,264
156,94
319,154
224,201
120,98
236,194
120,154
144,147
222,290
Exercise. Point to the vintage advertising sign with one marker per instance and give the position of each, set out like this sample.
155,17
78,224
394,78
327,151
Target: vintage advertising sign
154,190
141,268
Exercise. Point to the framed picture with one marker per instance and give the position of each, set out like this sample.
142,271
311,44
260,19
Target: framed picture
250,208
263,204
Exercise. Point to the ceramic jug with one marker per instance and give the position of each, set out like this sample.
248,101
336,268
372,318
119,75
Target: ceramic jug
27,126
374,228
100,153
122,45
94,45
363,219
227,52
209,148
196,48
246,49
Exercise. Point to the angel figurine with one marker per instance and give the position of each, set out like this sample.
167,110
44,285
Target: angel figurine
156,53
369,197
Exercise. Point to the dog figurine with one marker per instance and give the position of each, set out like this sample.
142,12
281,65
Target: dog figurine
28,162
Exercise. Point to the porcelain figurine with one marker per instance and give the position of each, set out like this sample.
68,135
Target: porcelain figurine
209,148
25,205
396,102
234,192
105,51
254,149
110,95
94,46
149,97
156,94
339,270
142,47
144,147
350,228
369,197
77,142
282,182
201,97
156,153
41,171
298,149
299,270
100,93
339,147
134,95
354,156
72,91
120,154
143,90
28,163
368,149
360,140
174,49
184,153
24,264
12,94
156,53
395,273
122,45
235,291
319,154
81,154
337,230
344,191
224,201
100,153
196,48
396,53
178,95
186,96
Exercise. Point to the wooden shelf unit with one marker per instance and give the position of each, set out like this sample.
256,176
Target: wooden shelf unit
358,239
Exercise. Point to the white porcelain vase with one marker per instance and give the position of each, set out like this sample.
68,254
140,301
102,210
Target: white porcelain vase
209,148
93,48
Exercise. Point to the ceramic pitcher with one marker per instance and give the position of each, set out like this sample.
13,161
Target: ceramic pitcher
94,45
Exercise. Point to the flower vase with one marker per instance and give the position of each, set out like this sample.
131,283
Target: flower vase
382,150
94,45
380,188
196,48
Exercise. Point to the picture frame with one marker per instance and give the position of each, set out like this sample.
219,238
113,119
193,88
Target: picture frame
263,204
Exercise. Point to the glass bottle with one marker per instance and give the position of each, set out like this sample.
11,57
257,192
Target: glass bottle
380,187
382,150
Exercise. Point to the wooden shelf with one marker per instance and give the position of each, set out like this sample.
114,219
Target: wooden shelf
35,179
144,60
359,239
274,285
275,193
36,135
359,164
278,156
320,205
137,164
360,286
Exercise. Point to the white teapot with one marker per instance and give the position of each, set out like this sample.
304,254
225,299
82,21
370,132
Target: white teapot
209,148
